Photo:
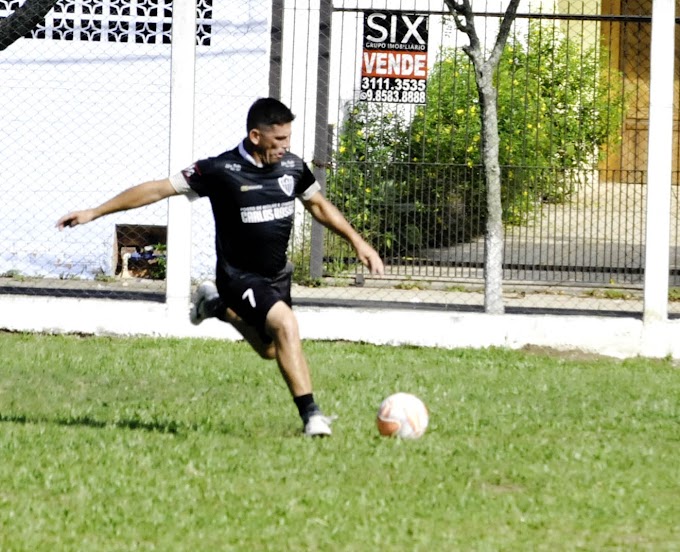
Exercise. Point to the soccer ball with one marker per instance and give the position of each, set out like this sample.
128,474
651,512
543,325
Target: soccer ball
402,415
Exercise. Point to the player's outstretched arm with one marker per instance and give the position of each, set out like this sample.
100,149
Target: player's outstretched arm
329,215
137,196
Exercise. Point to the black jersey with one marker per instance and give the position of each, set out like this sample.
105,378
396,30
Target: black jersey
253,206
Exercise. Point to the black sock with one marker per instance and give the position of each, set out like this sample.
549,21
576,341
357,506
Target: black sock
306,406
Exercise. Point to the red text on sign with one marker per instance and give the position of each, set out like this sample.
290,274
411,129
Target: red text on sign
394,64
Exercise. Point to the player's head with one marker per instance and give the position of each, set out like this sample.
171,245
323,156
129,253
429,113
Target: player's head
269,127
267,112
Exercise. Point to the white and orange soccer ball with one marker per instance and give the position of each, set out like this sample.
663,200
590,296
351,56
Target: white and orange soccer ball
402,415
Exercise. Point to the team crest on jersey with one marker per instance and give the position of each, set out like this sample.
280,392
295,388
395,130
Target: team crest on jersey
287,184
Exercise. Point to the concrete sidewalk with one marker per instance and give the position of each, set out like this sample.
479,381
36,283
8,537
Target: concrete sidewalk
598,237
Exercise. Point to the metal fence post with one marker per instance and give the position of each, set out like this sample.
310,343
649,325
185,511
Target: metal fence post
181,152
321,158
276,51
659,161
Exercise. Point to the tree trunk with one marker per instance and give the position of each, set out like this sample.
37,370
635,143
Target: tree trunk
484,71
23,21
494,239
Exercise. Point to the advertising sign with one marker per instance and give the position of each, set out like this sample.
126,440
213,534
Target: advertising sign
394,58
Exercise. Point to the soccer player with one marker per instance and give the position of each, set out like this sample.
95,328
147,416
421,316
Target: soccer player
252,190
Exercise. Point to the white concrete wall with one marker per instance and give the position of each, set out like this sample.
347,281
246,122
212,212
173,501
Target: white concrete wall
609,336
83,120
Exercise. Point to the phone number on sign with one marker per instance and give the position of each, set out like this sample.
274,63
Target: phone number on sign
395,96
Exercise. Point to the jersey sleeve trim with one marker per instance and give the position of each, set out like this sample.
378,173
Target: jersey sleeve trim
179,182
309,192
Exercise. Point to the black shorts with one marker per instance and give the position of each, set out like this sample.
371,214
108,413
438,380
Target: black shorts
252,296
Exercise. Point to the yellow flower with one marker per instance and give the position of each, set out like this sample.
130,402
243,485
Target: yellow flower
460,111
342,149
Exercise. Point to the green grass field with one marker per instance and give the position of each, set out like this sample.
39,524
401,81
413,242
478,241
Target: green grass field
112,444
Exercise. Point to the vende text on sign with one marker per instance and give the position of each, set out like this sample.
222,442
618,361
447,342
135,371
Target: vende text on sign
412,65
394,60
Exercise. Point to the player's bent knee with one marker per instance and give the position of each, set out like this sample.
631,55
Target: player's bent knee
268,351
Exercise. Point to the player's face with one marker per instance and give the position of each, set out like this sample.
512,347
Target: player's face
271,143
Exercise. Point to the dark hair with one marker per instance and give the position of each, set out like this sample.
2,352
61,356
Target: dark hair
267,112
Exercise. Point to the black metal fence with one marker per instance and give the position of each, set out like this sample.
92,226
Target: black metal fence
86,103
573,103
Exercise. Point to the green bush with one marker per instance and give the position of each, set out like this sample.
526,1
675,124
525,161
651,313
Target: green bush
370,179
413,182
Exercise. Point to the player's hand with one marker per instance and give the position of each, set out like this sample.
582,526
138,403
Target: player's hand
370,259
76,218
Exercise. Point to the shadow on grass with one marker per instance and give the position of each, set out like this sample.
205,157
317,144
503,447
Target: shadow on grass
171,426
